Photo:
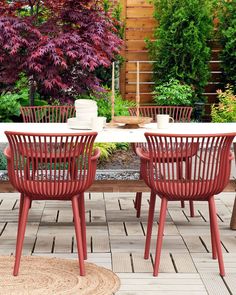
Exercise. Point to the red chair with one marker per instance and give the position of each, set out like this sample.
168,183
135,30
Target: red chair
47,114
179,114
52,167
209,174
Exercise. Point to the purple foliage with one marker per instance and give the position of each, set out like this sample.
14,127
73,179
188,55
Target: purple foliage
59,45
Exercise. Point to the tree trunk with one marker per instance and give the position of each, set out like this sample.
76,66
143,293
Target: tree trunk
32,91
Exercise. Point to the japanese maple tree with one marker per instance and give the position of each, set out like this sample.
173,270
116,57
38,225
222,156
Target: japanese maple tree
57,44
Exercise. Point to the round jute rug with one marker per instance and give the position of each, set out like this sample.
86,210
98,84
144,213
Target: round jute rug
53,276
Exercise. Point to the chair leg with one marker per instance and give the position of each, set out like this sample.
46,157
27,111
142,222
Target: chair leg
213,243
191,208
83,223
20,211
150,225
137,204
78,234
216,235
138,199
160,236
188,175
20,207
182,204
23,215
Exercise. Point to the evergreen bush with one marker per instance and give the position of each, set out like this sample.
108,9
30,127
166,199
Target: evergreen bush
227,34
181,49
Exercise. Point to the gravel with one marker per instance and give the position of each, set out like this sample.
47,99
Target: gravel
100,175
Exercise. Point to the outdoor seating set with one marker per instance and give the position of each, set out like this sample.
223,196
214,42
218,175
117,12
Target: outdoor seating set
176,167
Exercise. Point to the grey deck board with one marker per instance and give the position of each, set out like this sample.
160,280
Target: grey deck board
116,239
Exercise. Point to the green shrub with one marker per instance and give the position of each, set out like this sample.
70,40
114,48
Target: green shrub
181,49
3,161
227,35
103,100
22,90
9,107
173,93
125,146
106,149
225,111
104,73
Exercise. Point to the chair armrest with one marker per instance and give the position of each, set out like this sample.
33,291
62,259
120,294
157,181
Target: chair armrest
143,154
96,154
7,153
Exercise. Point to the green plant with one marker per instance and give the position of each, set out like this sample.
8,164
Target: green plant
181,49
104,73
106,149
227,35
225,111
103,100
9,107
3,161
173,93
124,146
22,90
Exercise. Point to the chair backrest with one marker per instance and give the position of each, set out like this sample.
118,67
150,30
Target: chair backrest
188,167
47,114
178,113
51,165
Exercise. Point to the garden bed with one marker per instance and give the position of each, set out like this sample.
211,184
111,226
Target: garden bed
121,165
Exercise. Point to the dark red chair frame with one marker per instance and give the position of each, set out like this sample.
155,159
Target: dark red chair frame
52,167
47,114
208,175
179,114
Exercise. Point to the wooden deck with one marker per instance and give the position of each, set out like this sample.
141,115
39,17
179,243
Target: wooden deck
116,241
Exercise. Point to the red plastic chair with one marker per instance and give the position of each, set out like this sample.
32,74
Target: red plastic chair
209,174
47,114
179,114
52,167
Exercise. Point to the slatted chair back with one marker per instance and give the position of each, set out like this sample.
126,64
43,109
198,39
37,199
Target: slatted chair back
188,167
51,165
181,167
47,114
178,113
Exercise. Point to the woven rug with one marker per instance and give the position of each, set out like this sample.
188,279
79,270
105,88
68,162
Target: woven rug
53,276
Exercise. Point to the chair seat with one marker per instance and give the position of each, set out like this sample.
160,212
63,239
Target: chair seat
194,190
57,189
44,152
182,151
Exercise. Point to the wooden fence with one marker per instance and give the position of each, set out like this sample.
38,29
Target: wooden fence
140,24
